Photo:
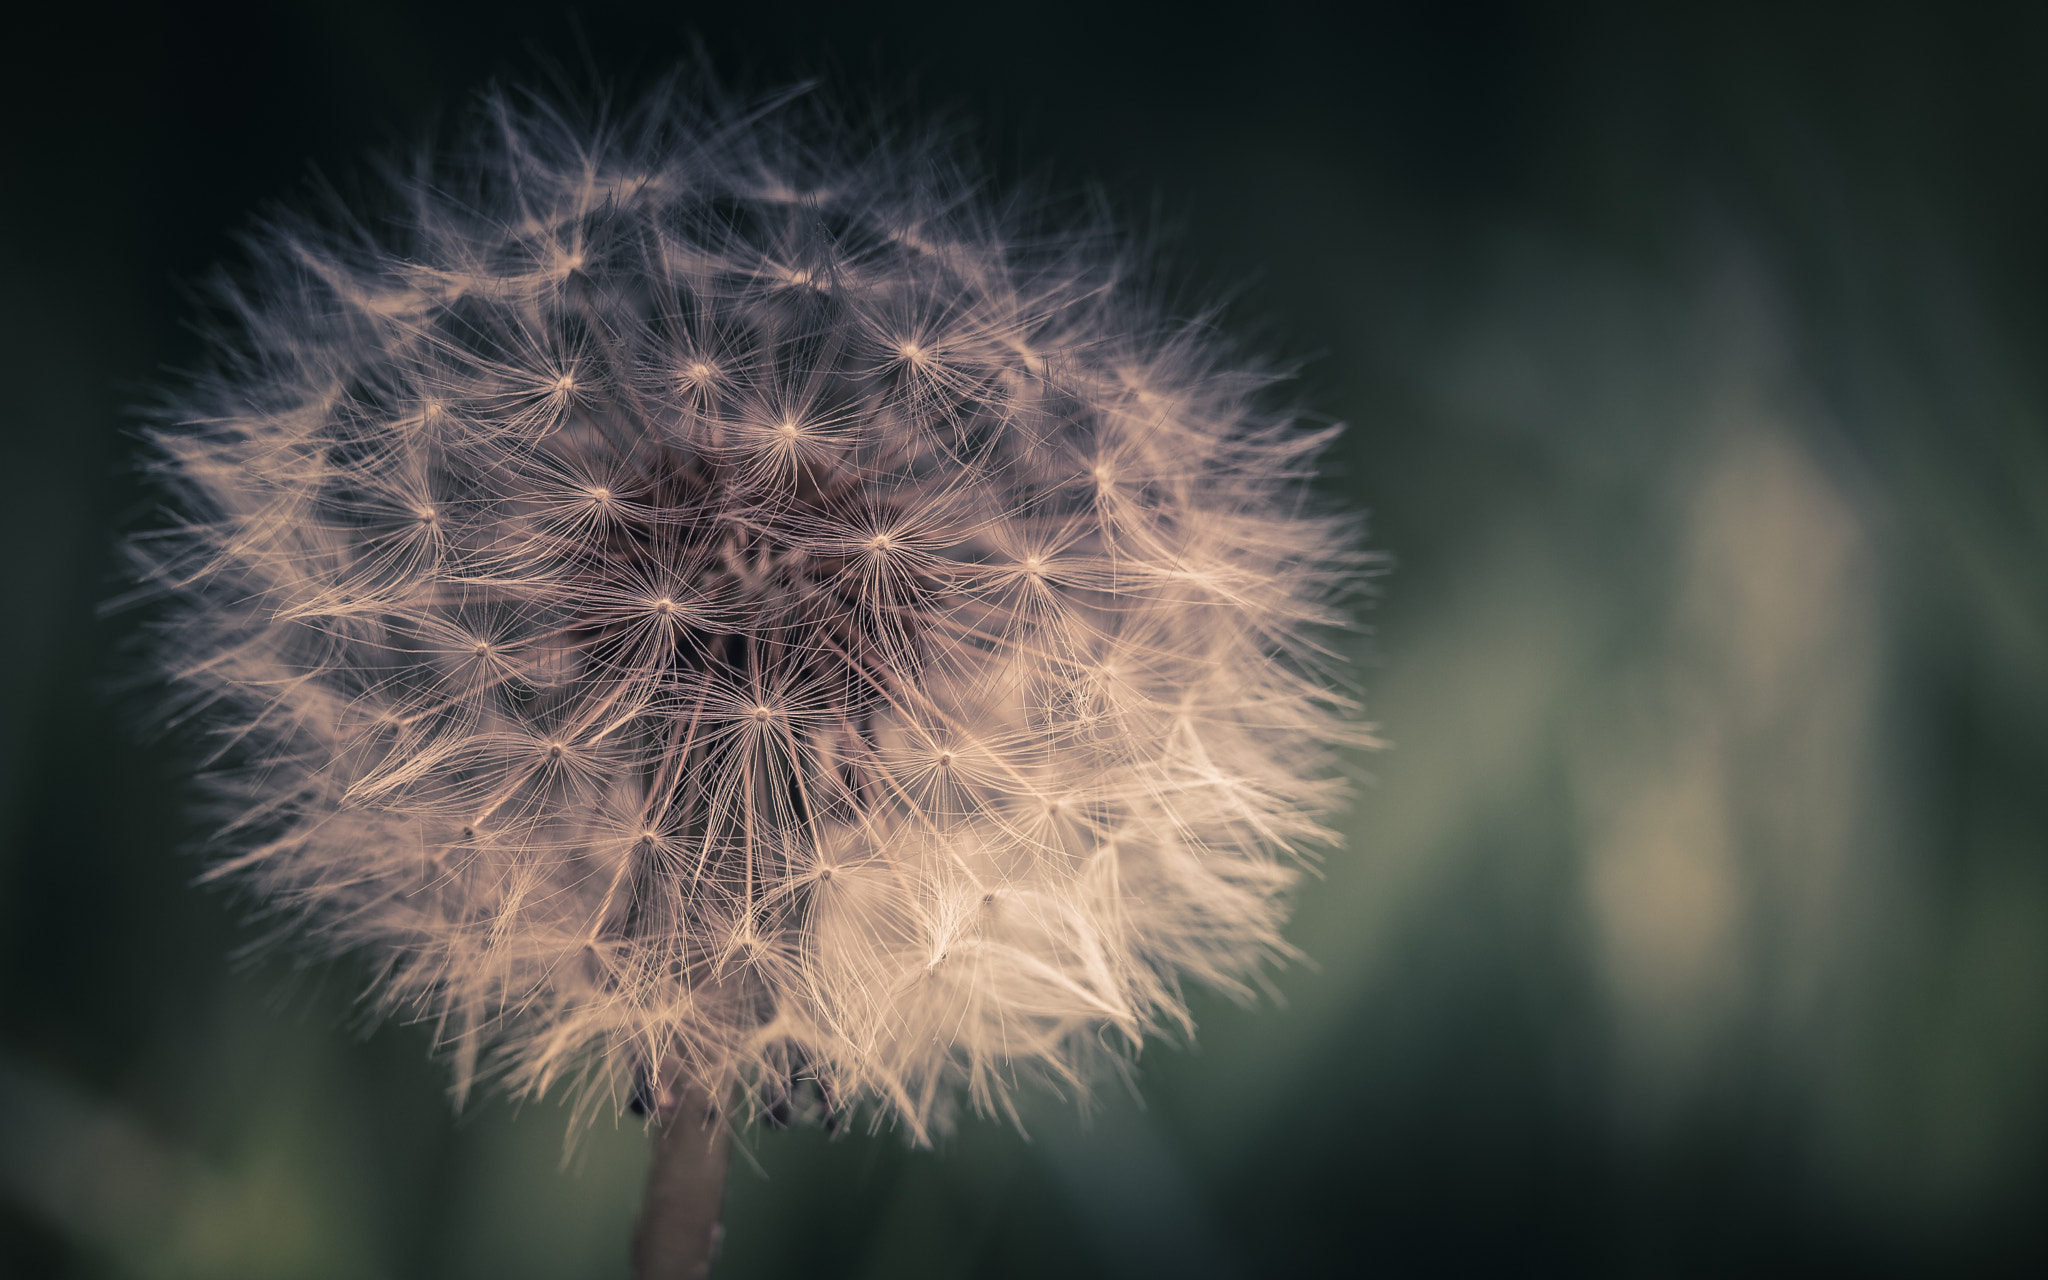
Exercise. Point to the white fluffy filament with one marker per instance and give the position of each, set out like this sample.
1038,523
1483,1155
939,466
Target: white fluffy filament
697,608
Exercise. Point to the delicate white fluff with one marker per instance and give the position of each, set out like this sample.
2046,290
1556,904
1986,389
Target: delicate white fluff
709,602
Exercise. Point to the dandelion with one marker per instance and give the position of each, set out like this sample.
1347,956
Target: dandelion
719,615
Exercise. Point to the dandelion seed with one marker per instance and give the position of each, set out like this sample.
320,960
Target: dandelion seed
663,671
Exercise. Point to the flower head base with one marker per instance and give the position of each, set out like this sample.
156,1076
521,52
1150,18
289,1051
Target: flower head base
710,610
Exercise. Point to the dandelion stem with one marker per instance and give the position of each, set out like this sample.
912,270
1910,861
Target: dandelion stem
678,1234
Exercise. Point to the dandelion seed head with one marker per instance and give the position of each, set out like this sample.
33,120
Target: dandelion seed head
670,673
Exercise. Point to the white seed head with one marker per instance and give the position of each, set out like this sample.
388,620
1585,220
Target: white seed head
666,671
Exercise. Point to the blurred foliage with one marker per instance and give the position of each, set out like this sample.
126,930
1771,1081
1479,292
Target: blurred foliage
1698,919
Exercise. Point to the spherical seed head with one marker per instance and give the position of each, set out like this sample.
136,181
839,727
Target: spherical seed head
711,602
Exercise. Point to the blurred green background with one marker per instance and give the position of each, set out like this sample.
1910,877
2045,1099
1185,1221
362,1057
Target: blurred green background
1696,923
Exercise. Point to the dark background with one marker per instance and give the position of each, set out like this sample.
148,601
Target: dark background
1698,921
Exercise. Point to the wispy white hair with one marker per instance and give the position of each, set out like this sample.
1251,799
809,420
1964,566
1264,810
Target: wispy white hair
707,600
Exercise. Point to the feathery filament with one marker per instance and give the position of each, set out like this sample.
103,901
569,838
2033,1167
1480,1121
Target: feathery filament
699,607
